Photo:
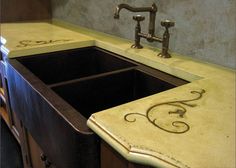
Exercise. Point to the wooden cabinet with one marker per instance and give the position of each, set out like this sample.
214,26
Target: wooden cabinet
3,98
32,154
37,157
5,106
10,117
111,158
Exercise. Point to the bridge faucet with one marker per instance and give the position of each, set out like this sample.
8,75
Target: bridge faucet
150,36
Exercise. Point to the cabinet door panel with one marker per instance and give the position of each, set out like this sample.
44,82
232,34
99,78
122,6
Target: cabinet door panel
35,153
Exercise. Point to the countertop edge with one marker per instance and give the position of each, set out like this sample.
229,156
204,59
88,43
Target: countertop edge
133,153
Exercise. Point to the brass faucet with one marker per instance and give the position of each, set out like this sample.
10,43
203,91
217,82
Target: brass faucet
150,36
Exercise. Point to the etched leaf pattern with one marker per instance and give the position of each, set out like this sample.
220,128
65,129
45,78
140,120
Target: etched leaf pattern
179,108
27,43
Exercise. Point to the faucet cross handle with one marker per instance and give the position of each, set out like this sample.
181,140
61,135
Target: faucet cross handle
165,40
137,44
167,24
138,18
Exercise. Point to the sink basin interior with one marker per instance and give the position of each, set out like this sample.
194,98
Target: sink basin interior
92,79
68,65
89,96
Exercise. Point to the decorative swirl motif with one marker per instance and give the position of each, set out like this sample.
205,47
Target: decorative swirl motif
177,127
26,43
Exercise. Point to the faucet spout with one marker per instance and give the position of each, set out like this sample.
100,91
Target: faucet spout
152,10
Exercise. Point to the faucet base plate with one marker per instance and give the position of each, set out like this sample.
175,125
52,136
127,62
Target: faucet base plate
164,55
137,46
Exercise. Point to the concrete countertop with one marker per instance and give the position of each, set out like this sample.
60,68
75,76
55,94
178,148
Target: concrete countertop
23,39
144,131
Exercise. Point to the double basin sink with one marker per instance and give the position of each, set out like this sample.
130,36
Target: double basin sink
92,79
62,89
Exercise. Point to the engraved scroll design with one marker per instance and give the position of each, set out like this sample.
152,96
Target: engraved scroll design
176,127
30,43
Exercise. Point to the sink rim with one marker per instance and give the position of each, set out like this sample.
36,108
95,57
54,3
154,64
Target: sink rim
64,109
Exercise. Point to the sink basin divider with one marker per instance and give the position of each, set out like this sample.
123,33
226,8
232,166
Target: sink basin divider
90,77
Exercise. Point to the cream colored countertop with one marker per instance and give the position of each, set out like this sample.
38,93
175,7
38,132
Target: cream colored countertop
22,39
150,130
